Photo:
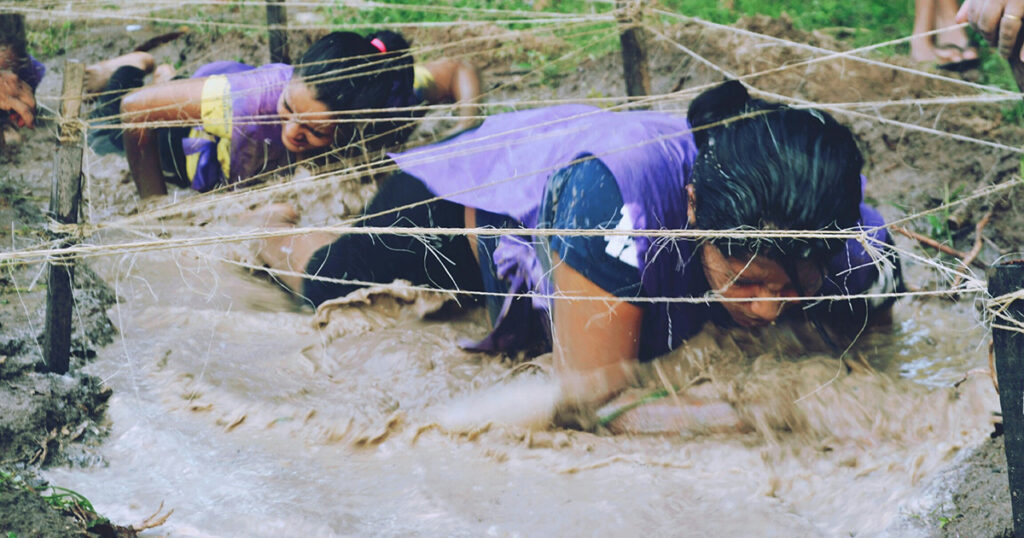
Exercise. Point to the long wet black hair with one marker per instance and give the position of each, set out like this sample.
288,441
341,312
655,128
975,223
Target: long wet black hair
347,72
766,166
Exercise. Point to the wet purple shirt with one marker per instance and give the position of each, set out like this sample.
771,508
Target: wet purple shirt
250,103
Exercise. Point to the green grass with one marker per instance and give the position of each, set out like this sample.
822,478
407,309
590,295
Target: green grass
871,21
52,40
435,11
866,21
858,22
591,40
67,501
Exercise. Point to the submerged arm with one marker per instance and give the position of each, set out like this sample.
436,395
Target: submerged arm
179,100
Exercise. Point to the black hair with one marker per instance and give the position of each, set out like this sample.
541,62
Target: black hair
346,71
766,166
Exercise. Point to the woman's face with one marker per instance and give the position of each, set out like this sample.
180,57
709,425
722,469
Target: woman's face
758,278
307,121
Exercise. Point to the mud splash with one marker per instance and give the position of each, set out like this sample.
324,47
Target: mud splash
247,416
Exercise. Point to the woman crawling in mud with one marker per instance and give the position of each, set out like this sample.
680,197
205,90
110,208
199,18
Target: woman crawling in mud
735,163
253,120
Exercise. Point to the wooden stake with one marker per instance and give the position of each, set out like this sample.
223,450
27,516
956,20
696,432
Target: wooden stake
634,47
64,201
277,26
1007,278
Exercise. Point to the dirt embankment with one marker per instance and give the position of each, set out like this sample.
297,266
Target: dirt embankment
45,419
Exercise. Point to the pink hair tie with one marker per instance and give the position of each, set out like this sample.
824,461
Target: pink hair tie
376,42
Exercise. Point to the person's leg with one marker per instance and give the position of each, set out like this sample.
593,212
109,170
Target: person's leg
335,266
164,73
922,48
108,109
954,42
97,75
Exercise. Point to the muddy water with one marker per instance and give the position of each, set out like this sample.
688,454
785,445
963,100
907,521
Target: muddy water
233,408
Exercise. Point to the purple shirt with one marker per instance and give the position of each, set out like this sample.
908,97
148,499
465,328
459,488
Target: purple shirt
244,104
32,72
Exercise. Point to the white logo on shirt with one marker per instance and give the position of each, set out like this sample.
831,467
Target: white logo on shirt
622,247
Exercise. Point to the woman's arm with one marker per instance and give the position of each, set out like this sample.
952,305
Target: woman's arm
455,82
595,342
179,100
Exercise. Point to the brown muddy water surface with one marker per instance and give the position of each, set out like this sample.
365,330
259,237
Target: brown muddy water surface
230,407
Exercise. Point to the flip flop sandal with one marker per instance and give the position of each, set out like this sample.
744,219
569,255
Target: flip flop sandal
958,66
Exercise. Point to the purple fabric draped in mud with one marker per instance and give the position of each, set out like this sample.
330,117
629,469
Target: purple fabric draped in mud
504,165
255,135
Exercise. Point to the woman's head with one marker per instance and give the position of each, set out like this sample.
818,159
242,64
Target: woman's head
765,166
342,72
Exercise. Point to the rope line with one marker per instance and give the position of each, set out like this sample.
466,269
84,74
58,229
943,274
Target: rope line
46,252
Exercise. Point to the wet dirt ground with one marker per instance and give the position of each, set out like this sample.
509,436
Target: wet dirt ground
335,430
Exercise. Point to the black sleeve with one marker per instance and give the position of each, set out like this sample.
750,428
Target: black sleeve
586,196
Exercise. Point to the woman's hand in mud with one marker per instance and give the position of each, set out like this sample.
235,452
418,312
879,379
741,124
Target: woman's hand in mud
998,20
645,411
17,99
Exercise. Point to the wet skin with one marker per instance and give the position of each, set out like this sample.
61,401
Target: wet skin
307,121
755,278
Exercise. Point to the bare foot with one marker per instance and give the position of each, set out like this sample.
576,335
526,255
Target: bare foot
923,50
164,73
273,251
97,74
952,43
288,254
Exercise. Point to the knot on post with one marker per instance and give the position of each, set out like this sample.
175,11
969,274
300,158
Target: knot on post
61,259
999,315
70,130
629,12
69,231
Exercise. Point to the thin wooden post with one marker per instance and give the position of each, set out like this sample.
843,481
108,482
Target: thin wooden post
277,25
634,47
65,197
1008,341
